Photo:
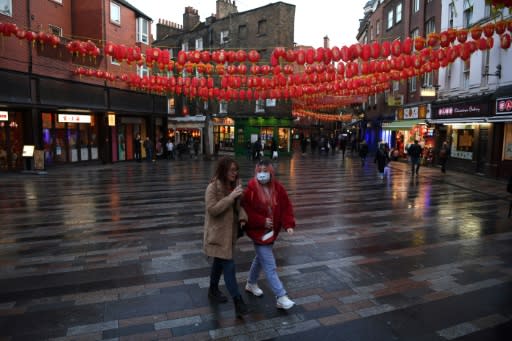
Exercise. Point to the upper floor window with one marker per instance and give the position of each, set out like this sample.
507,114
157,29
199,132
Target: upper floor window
223,107
485,66
412,84
428,79
142,70
270,102
260,105
171,108
224,37
115,13
377,28
262,27
398,15
451,14
184,46
371,33
467,16
142,30
430,26
414,34
396,86
55,30
199,44
465,73
57,1
6,7
114,61
390,19
416,6
487,10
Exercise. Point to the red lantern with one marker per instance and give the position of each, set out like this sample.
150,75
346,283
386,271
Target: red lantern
488,30
396,48
21,34
385,49
205,57
452,34
462,35
366,52
433,39
444,41
336,54
356,50
253,56
505,41
419,43
310,56
182,57
476,32
500,27
407,46
241,56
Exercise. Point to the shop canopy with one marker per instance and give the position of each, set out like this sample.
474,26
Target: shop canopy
400,125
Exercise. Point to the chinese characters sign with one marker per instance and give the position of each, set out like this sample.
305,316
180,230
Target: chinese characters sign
462,110
504,106
69,118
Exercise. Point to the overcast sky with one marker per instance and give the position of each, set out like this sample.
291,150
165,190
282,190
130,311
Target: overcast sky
314,19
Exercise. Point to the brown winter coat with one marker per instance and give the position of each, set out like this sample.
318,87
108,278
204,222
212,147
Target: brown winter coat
222,215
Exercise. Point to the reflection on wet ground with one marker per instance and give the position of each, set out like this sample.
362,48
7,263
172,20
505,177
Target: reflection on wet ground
113,252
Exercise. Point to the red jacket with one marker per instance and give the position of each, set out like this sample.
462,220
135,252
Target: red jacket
257,212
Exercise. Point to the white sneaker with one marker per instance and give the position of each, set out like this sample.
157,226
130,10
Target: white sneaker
284,302
253,289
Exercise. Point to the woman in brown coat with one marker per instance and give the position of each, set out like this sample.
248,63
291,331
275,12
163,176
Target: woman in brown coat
222,216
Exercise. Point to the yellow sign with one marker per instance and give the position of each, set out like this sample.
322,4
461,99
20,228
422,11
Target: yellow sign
111,120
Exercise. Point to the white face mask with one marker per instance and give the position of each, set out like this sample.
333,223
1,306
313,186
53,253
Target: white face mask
263,177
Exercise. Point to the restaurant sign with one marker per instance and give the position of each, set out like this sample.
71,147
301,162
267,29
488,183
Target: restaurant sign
504,106
462,110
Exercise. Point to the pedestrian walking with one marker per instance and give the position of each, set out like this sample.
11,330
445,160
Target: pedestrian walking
382,159
274,149
137,148
363,151
257,149
148,147
343,147
414,152
444,153
268,210
222,216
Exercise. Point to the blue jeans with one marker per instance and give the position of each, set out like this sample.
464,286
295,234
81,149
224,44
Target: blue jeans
226,266
265,260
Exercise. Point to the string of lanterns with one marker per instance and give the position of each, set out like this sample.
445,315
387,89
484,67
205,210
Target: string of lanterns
292,74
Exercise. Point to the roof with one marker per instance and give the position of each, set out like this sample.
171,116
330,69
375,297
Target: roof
133,8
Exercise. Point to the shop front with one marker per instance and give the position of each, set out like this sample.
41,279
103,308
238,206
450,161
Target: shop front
270,129
502,128
69,137
223,135
464,126
186,132
11,140
410,125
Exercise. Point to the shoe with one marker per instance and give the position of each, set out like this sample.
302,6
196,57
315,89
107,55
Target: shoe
216,295
284,302
253,289
240,306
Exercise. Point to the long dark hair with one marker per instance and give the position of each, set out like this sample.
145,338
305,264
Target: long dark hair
221,172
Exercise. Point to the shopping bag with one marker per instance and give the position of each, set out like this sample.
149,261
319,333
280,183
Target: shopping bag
274,154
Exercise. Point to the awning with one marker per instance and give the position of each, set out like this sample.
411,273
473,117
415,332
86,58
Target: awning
500,118
404,124
461,120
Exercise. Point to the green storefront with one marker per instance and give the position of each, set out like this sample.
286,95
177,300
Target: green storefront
267,128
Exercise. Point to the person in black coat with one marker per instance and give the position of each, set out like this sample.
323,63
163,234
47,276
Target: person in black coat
382,159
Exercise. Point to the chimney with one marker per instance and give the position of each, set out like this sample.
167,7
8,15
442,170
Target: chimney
225,8
190,18
326,42
166,28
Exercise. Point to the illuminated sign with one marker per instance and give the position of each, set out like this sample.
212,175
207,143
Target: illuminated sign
4,116
69,118
111,120
503,106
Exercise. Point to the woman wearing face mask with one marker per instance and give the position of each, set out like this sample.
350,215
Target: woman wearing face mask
268,211
222,216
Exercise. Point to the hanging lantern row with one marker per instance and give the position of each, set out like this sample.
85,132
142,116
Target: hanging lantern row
316,115
10,29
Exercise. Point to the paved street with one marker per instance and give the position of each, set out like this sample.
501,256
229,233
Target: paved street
113,252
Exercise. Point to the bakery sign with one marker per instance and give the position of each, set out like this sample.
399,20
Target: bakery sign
462,110
504,106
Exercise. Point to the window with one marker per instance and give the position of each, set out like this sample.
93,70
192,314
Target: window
487,10
262,27
260,105
224,37
142,70
184,46
271,102
428,79
55,30
223,107
390,19
485,66
414,35
199,44
465,73
412,84
370,31
171,109
448,73
468,16
377,28
114,61
396,86
115,13
430,26
416,6
6,7
242,32
451,14
58,1
142,30
398,13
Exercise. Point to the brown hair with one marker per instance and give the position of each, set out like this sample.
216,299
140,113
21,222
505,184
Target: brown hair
221,172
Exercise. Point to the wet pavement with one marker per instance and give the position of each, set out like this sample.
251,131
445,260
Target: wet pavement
113,252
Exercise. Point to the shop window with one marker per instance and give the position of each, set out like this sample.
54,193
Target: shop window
171,109
283,140
507,142
142,30
266,135
115,13
6,7
463,138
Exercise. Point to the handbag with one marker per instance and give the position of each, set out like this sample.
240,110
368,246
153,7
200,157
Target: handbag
240,231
